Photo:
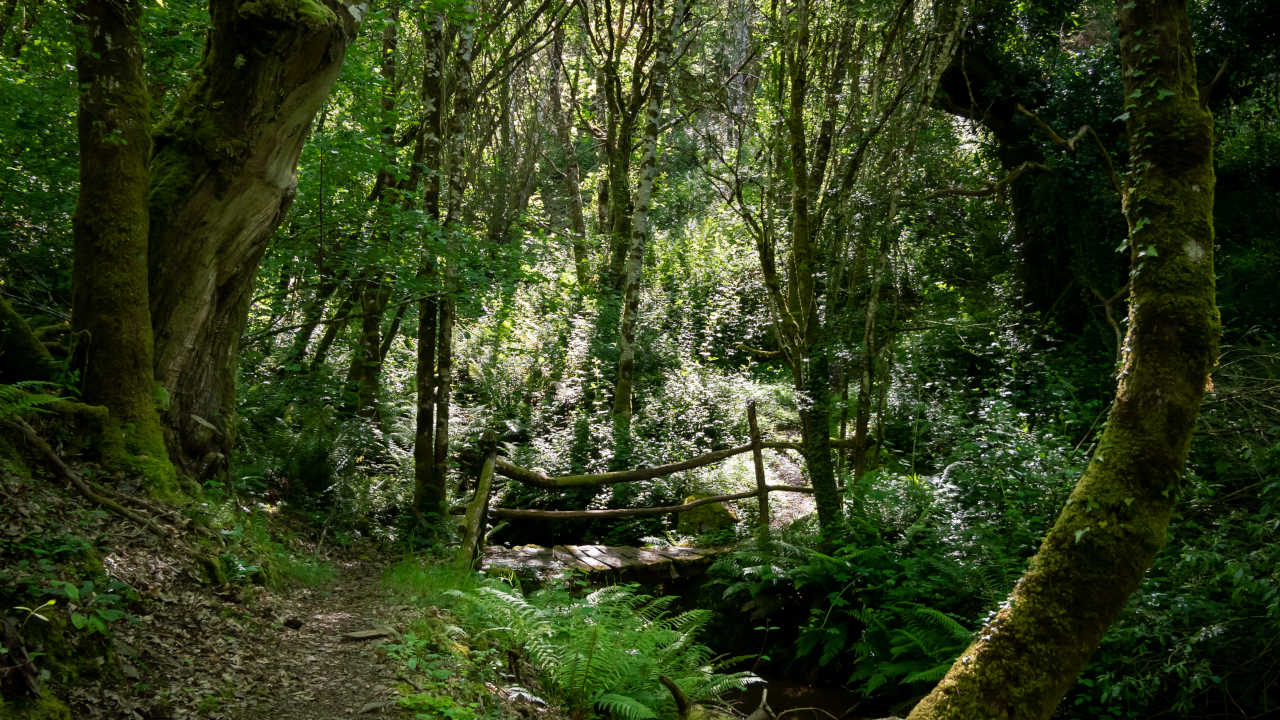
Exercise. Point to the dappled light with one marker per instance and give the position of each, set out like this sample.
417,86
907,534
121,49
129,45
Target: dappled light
633,359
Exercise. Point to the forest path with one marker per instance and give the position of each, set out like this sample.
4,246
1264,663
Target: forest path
246,653
311,668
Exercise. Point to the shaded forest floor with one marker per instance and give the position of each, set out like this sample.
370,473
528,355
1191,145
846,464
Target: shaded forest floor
240,652
186,648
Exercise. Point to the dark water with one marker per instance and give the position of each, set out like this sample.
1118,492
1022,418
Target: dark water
784,695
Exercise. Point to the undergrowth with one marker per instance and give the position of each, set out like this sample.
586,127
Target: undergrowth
592,652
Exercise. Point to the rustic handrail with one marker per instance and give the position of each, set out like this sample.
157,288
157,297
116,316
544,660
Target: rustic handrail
636,512
542,480
478,511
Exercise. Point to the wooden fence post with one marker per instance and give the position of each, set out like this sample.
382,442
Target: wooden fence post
478,510
762,490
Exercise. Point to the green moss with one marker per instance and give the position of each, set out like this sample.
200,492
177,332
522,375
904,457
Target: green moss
214,570
41,708
309,13
11,460
704,518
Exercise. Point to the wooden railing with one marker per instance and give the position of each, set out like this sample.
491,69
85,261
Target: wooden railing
478,511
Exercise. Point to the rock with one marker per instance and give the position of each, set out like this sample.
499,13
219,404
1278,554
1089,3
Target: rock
705,518
373,634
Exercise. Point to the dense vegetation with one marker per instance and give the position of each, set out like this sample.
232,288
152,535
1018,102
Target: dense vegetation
271,270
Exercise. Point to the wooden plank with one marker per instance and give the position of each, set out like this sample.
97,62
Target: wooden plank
564,556
683,554
585,558
601,553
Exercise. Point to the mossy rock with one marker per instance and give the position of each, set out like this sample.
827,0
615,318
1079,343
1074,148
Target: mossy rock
705,518
41,708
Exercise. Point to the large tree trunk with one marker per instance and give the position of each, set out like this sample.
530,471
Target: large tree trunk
109,277
223,173
1104,540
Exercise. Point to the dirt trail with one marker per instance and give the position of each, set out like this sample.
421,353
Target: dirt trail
251,655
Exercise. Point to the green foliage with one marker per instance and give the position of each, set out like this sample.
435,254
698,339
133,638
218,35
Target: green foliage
608,648
88,609
24,397
256,545
603,650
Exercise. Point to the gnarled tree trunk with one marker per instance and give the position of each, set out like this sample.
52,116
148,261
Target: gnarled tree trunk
1106,537
223,174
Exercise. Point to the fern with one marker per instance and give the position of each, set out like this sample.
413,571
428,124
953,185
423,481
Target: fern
624,707
607,650
25,397
908,643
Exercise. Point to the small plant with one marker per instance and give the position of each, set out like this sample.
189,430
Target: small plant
428,706
89,610
34,613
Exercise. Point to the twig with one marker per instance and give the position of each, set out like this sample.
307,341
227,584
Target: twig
991,188
1071,144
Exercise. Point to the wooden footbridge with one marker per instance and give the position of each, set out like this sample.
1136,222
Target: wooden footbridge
600,562
606,562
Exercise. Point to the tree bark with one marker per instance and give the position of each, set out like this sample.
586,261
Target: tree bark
572,172
223,173
366,362
1106,537
639,239
109,275
341,316
810,365
428,487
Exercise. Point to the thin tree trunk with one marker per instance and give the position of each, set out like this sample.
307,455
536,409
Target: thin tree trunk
639,239
460,113
1106,537
109,275
366,362
392,330
341,316
223,174
428,487
572,172
810,363
870,354
444,383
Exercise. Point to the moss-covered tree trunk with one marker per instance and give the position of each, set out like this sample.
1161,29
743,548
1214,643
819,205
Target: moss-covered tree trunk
22,355
109,276
1097,552
810,367
223,173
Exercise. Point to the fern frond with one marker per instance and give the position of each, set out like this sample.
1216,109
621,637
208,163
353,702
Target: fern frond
624,707
24,397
